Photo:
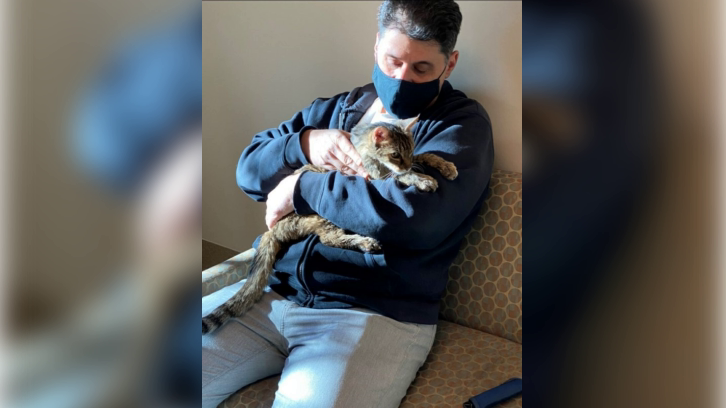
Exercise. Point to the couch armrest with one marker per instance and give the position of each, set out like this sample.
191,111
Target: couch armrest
228,272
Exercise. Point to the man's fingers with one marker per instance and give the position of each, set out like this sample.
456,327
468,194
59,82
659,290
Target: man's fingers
353,164
346,166
270,220
349,150
343,162
338,165
347,160
344,133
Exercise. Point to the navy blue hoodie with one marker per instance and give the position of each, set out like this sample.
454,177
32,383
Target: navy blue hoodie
420,232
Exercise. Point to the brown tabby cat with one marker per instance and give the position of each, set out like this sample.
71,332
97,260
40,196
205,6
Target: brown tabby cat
387,151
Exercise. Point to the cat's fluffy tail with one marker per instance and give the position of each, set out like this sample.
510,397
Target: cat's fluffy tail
252,290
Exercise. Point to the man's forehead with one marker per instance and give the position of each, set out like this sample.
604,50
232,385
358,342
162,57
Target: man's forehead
401,46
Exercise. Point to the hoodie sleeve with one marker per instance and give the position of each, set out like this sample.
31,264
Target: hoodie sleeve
391,212
276,153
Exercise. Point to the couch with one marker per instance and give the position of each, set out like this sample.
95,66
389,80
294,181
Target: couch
479,338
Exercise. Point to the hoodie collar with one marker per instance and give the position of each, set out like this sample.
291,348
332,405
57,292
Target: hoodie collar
360,99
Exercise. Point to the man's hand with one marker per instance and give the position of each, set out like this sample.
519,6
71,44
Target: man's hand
279,201
331,149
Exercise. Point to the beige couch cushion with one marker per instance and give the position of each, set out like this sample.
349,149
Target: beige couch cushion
464,362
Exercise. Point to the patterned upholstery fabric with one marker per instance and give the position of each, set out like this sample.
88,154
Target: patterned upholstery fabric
485,280
463,362
258,395
227,273
478,341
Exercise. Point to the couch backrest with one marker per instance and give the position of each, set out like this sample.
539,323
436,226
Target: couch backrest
485,281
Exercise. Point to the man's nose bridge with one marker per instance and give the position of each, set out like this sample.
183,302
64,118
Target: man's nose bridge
404,73
409,76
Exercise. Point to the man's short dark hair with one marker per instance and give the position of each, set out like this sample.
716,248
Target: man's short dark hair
423,20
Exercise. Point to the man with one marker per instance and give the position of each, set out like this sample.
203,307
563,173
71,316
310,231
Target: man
344,328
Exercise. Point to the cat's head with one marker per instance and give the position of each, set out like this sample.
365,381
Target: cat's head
391,145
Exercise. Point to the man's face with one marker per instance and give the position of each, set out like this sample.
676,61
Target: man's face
401,57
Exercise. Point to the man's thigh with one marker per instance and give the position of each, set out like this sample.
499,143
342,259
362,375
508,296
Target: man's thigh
242,350
350,358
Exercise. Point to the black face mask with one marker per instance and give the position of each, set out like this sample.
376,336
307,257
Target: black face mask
404,99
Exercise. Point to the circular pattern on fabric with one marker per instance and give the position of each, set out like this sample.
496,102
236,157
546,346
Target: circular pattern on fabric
228,277
258,395
507,269
462,363
516,223
502,228
492,253
506,213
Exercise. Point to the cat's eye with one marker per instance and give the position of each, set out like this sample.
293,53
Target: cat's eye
395,155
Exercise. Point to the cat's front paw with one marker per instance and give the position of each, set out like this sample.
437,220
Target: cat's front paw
425,183
369,245
448,170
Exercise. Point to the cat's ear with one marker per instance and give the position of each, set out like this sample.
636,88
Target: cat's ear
379,135
410,126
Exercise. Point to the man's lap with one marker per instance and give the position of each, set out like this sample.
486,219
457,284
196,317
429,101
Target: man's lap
241,351
328,357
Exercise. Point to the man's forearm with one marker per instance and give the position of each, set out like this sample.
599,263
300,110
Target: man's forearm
267,160
305,143
385,210
391,212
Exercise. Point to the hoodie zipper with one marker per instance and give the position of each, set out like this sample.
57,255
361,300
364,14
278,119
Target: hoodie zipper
309,298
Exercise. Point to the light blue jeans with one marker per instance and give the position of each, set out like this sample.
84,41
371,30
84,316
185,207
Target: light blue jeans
352,358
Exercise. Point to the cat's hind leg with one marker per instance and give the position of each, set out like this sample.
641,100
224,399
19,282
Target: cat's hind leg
295,227
333,236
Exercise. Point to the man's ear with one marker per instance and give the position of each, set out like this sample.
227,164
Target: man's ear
453,59
375,47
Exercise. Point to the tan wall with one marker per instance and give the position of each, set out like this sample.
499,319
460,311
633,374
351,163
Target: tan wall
263,61
66,237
